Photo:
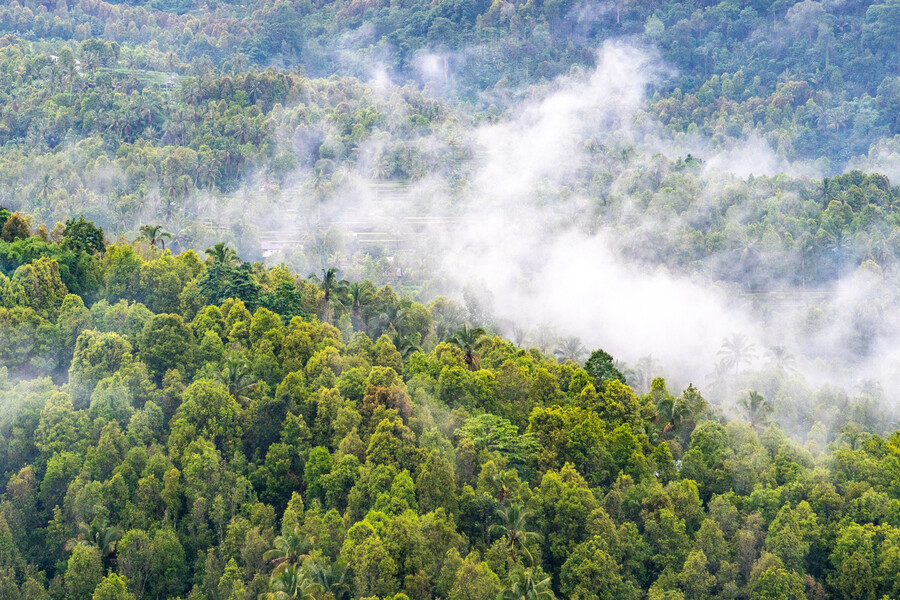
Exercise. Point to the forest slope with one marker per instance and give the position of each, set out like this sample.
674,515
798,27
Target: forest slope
215,429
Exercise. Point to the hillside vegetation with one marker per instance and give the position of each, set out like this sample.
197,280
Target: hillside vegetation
237,361
215,429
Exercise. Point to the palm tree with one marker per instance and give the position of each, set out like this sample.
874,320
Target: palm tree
291,583
230,151
359,296
332,287
521,584
737,350
239,60
781,358
757,409
168,206
505,481
289,550
519,335
394,317
331,579
208,172
806,247
673,411
642,373
853,434
182,240
381,169
237,378
448,316
514,527
545,337
155,235
255,87
443,328
117,122
46,186
570,348
838,241
130,59
222,255
404,345
469,340
718,379
826,191
99,534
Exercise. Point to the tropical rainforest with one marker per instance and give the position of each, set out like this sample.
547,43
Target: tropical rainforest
247,351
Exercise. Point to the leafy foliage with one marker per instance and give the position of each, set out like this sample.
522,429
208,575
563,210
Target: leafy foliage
172,427
295,459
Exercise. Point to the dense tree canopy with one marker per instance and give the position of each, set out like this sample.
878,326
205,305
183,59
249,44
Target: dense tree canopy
224,450
184,417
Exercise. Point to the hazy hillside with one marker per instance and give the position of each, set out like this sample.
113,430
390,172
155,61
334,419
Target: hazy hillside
307,300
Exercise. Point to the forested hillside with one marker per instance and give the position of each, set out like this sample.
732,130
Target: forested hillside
306,300
212,429
815,78
169,113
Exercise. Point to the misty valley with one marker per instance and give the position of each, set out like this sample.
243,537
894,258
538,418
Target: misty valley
456,299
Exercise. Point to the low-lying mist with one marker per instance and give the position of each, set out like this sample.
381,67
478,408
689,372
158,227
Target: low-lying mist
511,220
